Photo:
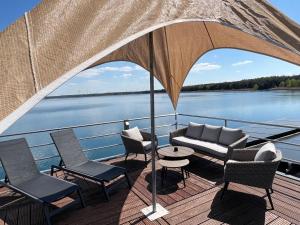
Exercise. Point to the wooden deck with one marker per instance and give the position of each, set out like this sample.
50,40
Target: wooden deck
197,203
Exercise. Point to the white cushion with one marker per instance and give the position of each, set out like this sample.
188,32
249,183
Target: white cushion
211,133
212,148
146,145
194,130
133,133
266,153
229,135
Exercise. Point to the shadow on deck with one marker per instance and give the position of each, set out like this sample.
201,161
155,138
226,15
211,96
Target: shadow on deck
197,203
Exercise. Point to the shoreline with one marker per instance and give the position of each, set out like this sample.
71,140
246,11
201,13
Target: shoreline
163,91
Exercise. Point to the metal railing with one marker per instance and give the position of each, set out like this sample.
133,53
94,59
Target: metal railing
125,122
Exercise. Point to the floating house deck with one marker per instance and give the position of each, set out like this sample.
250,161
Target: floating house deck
197,203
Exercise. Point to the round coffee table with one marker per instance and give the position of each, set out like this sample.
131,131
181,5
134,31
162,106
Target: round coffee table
182,152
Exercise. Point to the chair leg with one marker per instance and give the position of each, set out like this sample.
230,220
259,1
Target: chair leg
272,191
81,198
126,157
182,172
269,197
224,189
145,159
47,215
105,191
128,180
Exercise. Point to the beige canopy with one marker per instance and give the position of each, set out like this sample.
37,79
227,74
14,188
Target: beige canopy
58,39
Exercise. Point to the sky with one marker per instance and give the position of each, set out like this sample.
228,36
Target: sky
215,66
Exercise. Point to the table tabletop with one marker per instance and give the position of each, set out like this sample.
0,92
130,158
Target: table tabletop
181,153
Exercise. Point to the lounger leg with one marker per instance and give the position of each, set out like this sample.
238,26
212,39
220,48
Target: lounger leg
47,214
128,180
224,189
81,198
105,191
269,197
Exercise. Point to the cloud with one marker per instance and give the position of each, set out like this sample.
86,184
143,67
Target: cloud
126,75
205,66
93,72
242,63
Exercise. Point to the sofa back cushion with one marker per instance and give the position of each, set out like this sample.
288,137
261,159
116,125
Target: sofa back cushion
194,130
229,136
266,153
133,133
211,133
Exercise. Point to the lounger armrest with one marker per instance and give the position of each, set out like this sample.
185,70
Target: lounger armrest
147,136
132,145
241,143
244,154
254,173
177,133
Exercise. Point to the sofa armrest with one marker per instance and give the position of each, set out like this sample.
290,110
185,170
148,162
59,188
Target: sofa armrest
132,145
253,173
241,143
177,133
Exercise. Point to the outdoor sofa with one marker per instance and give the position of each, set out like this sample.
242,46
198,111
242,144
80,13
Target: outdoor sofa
214,141
73,160
23,176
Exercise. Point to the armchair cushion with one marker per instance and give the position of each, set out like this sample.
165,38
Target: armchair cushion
211,133
229,135
133,133
266,153
194,130
146,145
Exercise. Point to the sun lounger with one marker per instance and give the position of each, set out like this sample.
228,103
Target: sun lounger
75,161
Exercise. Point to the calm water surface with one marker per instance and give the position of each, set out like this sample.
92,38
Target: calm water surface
266,106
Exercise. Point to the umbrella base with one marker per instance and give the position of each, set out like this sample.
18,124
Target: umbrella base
160,212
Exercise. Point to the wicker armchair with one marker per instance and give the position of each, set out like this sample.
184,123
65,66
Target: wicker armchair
138,147
242,169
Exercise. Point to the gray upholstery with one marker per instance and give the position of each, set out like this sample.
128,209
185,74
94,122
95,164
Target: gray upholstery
146,145
201,146
47,188
23,174
98,170
229,135
18,161
194,130
133,133
266,153
211,133
68,147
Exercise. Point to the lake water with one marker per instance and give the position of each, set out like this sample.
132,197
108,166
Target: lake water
262,106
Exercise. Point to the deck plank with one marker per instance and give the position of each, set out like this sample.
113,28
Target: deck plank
197,203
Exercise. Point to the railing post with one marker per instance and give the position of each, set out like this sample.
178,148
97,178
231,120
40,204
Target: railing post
225,123
126,124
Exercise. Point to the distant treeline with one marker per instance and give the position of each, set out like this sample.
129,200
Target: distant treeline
262,83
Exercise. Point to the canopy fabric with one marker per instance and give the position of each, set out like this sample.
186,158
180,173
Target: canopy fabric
58,39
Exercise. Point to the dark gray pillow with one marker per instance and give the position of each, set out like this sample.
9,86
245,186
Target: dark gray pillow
229,135
211,133
266,153
194,130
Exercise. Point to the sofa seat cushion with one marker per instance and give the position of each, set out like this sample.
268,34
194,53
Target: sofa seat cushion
204,146
228,135
211,133
266,153
147,145
194,130
133,133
